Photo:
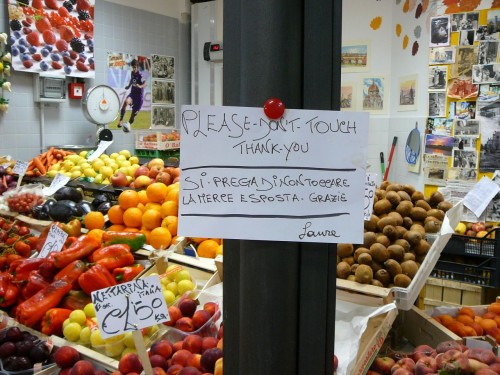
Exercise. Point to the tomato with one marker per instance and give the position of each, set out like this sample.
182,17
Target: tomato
22,249
11,240
32,241
23,231
2,222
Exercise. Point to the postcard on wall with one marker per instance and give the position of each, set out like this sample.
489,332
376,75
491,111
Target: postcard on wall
487,52
489,115
347,97
437,77
408,93
438,144
487,73
486,33
440,31
466,57
163,117
466,128
163,92
374,94
464,142
435,169
493,209
464,158
494,20
442,55
462,174
437,104
467,37
488,93
462,89
162,67
465,110
355,56
464,21
439,126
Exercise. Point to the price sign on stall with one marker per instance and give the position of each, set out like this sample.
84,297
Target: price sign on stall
20,167
54,242
130,306
369,194
58,182
103,145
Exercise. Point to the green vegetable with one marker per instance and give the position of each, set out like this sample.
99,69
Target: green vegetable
134,240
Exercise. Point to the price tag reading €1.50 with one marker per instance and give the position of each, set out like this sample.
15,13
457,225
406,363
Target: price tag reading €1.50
369,194
54,242
20,167
130,306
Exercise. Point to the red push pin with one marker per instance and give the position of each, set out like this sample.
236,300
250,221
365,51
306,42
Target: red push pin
274,108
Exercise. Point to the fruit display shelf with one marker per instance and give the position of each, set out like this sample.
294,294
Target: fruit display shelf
156,140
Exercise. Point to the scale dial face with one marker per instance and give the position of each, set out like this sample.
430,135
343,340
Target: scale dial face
101,105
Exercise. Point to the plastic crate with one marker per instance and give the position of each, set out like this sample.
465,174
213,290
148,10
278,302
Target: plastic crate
484,246
477,271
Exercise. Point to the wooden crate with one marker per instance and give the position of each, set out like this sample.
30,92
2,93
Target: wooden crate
440,292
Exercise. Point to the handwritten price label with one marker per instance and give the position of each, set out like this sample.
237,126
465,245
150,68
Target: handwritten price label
103,145
54,242
20,167
130,306
58,182
369,194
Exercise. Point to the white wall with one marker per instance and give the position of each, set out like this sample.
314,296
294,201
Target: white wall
170,8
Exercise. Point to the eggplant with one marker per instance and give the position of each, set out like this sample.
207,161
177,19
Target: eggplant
98,200
104,207
63,211
68,193
47,204
39,213
84,206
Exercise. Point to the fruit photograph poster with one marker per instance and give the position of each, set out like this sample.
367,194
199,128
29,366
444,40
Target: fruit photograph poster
130,77
57,38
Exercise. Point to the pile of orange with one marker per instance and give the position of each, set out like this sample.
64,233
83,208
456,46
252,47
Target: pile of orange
468,323
152,211
207,247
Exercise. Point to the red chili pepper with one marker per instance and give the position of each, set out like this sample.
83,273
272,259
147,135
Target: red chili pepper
22,248
42,238
22,271
33,309
80,249
72,272
125,274
75,300
109,251
53,319
35,283
97,277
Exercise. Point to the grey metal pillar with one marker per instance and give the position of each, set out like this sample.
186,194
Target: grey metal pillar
279,297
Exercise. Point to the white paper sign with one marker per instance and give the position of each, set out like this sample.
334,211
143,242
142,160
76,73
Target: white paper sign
54,241
103,145
20,167
370,185
58,182
244,176
480,196
130,306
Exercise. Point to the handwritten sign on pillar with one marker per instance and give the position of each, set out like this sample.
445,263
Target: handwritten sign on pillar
298,178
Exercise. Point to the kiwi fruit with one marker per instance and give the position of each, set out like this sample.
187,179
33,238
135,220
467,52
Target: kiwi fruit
396,252
371,225
416,196
383,206
437,213
413,237
423,204
383,276
402,281
408,189
349,260
384,185
376,266
403,243
390,232
419,228
369,238
397,216
354,267
404,208
359,251
432,225
363,274
422,248
410,268
351,277
343,270
418,214
377,283
444,206
407,222
383,240
404,195
436,198
393,267
393,197
387,220
380,194
401,231
345,250
379,252
394,187
409,256
365,258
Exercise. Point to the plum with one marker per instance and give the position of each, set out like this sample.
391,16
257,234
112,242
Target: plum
39,353
14,334
24,347
7,349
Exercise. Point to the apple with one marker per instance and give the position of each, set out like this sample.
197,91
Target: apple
471,233
156,162
154,171
426,365
164,177
119,179
383,364
453,360
106,171
141,171
142,182
133,160
404,363
444,346
479,226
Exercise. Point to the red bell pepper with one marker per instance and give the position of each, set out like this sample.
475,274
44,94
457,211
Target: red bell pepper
31,311
22,271
42,237
7,259
35,283
97,277
114,256
125,274
52,321
80,249
109,251
9,291
72,272
75,300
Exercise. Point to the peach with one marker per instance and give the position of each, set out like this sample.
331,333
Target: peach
447,345
425,365
185,324
175,314
187,307
177,346
66,356
383,364
495,367
220,334
180,357
192,343
220,343
174,369
404,363
401,371
130,362
482,355
82,367
162,348
189,370
218,370
208,359
475,365
208,343
211,307
453,360
159,371
201,317
485,371
194,360
422,351
158,360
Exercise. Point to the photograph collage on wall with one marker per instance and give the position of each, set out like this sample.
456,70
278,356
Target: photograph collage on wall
466,107
163,92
